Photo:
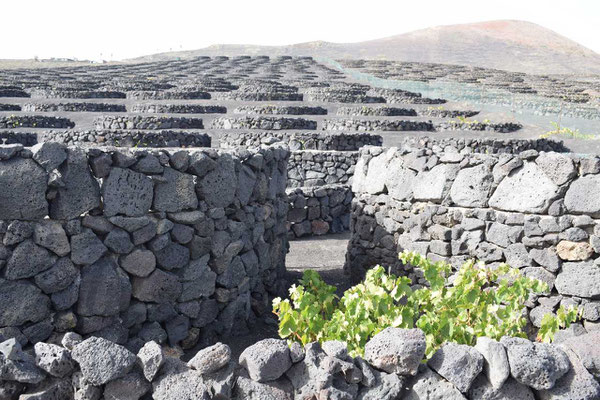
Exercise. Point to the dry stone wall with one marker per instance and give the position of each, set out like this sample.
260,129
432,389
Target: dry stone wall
538,212
341,141
129,138
74,107
146,122
391,369
317,168
34,121
135,245
483,145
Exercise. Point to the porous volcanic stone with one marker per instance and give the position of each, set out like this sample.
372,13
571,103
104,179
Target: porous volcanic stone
266,360
537,365
86,248
218,187
20,302
28,260
211,359
472,186
482,389
101,360
158,287
176,193
528,190
577,383
248,389
23,194
574,251
80,192
582,198
580,279
105,289
49,154
558,167
150,359
495,364
178,382
51,235
140,262
396,350
458,363
130,387
126,192
53,359
429,385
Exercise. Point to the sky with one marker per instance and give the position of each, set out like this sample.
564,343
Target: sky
121,29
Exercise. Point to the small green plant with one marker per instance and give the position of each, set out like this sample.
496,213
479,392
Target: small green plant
564,131
553,323
481,301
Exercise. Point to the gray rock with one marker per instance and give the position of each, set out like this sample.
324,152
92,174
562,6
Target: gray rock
130,224
218,187
49,154
51,235
335,348
140,262
558,167
130,387
16,232
176,193
28,260
435,184
21,302
577,383
118,241
158,287
173,256
177,329
127,192
581,198
148,164
386,387
83,389
179,382
376,174
296,352
80,192
86,248
429,385
266,360
472,186
528,190
182,234
396,350
11,349
211,359
517,256
546,258
65,298
580,279
23,194
495,364
537,365
21,369
97,224
510,390
53,359
458,363
201,164
51,389
248,389
150,359
399,180
246,181
11,390
101,361
70,339
152,331
105,289
587,349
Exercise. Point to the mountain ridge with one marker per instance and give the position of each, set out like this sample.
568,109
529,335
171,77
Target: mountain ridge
511,45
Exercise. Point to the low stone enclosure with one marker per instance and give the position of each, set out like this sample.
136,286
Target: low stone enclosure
137,245
127,138
391,369
535,211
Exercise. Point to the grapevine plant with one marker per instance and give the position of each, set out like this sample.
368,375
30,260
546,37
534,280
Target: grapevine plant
480,301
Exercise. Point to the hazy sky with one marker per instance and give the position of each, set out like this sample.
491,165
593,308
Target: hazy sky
117,29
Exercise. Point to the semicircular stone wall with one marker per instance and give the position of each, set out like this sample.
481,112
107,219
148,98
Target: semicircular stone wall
138,245
539,212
